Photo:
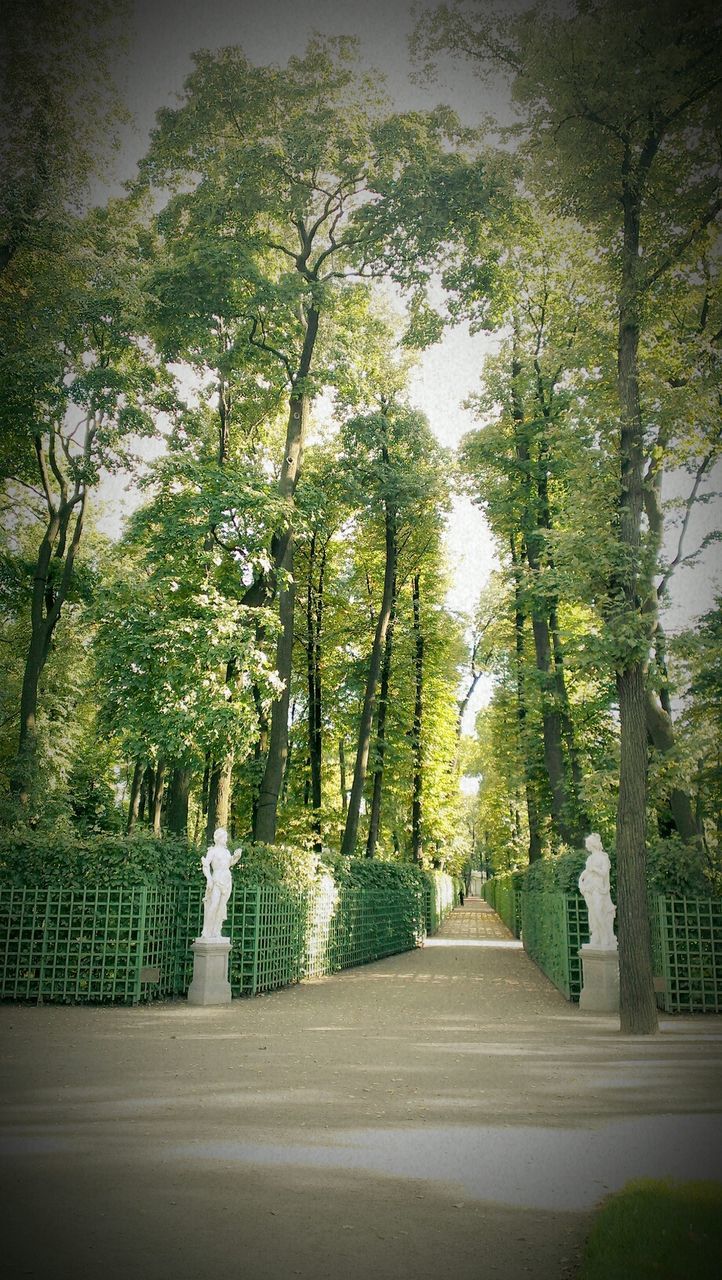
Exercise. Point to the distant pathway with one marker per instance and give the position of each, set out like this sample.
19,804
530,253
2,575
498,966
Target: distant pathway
476,919
439,1113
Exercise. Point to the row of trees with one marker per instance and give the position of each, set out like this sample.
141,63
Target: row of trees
269,640
609,379
269,644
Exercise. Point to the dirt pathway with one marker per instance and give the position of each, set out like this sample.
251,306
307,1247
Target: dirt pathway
439,1113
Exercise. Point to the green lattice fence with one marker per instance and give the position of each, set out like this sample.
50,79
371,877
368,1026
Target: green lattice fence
74,945
125,945
686,943
687,940
440,899
554,926
504,897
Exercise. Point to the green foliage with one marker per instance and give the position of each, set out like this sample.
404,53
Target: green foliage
657,1229
275,864
65,858
559,874
367,873
672,868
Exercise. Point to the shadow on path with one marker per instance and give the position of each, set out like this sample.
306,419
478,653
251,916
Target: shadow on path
442,1112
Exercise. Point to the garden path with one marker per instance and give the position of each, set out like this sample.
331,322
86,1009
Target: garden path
439,1113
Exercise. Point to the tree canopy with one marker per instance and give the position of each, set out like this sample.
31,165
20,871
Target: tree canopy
268,642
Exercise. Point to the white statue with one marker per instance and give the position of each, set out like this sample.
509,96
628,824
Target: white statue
594,886
216,864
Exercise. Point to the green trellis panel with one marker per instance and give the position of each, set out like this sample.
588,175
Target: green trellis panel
554,926
125,945
689,950
72,945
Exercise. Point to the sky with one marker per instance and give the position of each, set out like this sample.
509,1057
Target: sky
163,37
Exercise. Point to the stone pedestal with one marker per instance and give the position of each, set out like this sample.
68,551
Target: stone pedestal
600,986
210,983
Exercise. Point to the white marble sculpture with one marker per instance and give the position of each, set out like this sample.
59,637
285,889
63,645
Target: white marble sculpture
594,886
216,864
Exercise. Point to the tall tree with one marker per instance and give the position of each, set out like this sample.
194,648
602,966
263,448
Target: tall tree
95,386
638,86
396,468
300,179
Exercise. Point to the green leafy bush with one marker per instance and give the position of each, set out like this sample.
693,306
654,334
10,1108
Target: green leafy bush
677,868
672,868
368,873
275,864
556,875
34,859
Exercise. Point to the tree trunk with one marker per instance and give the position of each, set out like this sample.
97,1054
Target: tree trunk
532,813
134,799
205,784
178,797
314,625
158,796
532,543
552,731
380,752
219,796
580,818
270,789
661,734
342,774
638,1009
49,593
416,739
147,795
350,834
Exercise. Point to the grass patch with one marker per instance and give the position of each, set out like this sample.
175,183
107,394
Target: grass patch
657,1230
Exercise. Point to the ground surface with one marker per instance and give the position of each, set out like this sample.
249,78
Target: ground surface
443,1113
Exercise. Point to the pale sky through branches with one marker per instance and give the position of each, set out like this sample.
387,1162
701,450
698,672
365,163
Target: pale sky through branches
165,34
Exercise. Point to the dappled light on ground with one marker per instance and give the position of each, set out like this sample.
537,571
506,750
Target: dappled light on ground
447,1093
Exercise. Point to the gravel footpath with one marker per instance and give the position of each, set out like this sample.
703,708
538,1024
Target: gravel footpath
440,1113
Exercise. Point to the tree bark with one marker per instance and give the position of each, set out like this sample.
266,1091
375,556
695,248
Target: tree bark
380,752
531,524
219,796
178,798
314,625
342,774
416,738
134,798
350,834
147,794
158,797
532,813
49,593
638,1009
270,789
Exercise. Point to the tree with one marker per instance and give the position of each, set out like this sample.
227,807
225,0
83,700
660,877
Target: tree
638,88
93,387
58,114
301,180
178,659
396,467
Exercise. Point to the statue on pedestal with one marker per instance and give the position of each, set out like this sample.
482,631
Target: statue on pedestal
216,864
594,887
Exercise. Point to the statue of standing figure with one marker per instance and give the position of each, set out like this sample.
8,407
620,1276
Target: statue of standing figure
216,865
594,886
